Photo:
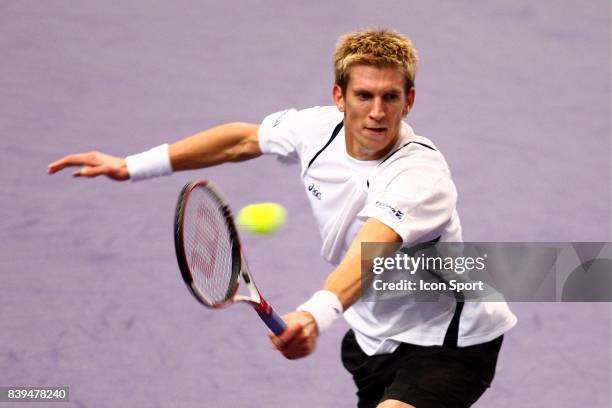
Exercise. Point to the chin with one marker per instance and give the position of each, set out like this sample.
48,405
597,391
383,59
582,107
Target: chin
376,143
376,137
368,151
372,149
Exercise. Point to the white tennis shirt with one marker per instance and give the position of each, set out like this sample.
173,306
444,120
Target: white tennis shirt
410,191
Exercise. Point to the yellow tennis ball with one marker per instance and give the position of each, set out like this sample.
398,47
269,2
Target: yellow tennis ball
261,218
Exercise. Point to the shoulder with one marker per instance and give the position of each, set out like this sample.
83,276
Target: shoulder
415,170
415,157
319,114
298,131
318,118
310,121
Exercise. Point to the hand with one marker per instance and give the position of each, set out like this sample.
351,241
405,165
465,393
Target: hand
93,164
299,338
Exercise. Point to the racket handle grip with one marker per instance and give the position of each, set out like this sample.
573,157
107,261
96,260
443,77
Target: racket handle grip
274,322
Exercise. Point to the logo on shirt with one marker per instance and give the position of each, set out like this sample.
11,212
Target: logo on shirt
280,117
314,191
396,213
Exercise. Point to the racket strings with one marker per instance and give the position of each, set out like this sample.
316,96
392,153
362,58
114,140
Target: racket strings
208,246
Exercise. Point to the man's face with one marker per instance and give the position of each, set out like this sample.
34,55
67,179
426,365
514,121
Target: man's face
374,104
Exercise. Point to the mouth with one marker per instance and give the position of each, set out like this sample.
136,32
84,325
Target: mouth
378,131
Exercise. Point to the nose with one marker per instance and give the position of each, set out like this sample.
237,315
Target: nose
377,112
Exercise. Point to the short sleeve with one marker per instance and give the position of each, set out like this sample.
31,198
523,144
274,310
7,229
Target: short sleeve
293,135
278,134
417,203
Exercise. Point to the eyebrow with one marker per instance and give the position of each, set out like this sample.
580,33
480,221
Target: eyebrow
390,91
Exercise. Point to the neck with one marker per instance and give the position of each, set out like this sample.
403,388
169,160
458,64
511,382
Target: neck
359,152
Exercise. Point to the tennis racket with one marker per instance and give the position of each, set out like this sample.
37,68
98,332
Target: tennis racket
209,253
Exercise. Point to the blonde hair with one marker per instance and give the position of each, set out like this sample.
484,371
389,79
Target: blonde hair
376,47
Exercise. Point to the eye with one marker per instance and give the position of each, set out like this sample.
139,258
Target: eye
363,96
391,97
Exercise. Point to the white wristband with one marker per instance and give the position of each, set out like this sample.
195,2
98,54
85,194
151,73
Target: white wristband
149,164
325,307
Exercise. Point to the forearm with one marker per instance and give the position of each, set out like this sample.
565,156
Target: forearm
346,280
343,286
231,142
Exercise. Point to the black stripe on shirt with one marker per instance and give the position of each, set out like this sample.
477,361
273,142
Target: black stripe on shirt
400,148
331,139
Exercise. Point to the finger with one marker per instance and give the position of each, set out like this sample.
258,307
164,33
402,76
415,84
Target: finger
310,329
78,159
290,333
297,352
89,171
280,343
69,160
292,356
277,344
287,336
298,345
274,340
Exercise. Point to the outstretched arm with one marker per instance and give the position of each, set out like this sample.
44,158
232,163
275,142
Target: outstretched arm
231,142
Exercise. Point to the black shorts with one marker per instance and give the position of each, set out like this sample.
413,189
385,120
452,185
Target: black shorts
433,376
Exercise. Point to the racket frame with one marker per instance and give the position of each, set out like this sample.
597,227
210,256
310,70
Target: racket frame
240,267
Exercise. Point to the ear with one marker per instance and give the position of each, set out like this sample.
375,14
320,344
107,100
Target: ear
338,97
409,101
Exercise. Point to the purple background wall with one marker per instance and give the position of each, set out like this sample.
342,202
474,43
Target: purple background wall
515,93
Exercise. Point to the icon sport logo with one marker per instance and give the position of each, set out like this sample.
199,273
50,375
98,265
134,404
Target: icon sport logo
396,213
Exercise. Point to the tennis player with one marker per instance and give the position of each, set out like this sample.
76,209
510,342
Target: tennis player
369,178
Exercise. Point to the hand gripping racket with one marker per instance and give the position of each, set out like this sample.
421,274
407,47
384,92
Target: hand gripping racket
209,253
